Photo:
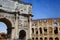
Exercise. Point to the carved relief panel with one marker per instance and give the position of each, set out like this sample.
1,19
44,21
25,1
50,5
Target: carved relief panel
23,22
22,8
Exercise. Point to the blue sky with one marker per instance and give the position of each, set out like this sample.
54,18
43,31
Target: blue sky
45,8
3,27
41,9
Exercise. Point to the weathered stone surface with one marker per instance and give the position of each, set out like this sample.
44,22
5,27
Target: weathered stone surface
16,18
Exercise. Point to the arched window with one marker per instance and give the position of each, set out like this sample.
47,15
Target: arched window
32,30
45,30
40,30
36,38
36,32
40,21
56,38
55,30
32,38
41,38
45,38
55,23
50,38
45,21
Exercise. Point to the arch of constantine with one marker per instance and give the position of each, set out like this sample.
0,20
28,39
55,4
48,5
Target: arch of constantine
17,16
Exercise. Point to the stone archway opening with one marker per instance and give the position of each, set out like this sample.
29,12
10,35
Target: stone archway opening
55,30
8,26
22,35
45,38
40,30
56,38
41,38
50,38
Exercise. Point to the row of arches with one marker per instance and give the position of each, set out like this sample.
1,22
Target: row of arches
45,29
37,30
45,38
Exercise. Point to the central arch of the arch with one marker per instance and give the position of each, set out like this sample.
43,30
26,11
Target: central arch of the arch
22,35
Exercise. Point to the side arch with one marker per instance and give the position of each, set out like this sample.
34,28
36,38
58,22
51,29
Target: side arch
51,38
6,21
56,38
9,26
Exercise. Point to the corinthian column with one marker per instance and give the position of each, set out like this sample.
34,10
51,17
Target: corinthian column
16,26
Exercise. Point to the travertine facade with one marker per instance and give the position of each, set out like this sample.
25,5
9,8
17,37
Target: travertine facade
17,16
45,29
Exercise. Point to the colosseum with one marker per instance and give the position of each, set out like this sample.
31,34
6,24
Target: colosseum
45,29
